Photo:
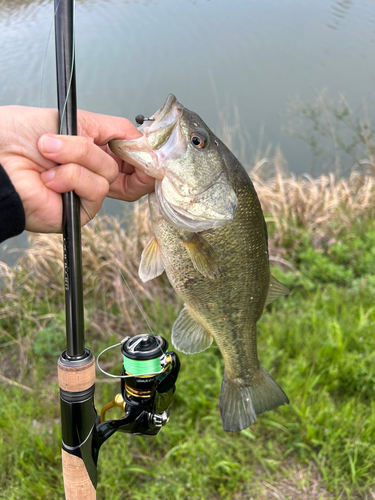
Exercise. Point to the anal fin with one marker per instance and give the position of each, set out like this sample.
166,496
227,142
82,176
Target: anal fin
188,336
202,255
151,264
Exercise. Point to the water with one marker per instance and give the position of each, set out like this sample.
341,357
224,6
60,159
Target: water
212,54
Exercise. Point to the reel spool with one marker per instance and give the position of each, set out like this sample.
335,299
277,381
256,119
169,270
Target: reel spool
143,357
148,381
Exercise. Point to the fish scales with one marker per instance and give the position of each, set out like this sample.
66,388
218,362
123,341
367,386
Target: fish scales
239,293
211,239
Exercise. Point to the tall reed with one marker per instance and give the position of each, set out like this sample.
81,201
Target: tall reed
31,293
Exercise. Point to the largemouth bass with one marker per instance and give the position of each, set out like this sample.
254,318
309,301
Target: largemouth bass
210,237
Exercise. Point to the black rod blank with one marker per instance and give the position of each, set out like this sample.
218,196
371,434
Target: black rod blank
67,106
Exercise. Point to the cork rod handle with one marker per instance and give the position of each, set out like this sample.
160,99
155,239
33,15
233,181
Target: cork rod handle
76,379
77,483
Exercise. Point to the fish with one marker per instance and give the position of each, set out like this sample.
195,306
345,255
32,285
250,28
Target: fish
210,237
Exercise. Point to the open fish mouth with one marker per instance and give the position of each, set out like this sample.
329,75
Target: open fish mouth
161,115
159,127
156,133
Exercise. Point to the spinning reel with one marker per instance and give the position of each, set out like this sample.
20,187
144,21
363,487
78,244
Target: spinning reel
148,379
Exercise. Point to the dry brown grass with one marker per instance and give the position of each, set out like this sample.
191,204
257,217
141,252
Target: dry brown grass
302,483
305,483
292,204
32,294
323,206
111,252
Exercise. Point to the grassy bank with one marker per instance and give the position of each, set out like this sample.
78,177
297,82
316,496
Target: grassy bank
318,343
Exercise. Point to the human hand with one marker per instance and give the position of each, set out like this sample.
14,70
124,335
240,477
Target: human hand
42,165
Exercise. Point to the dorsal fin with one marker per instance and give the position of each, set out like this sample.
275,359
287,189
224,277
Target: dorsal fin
151,264
275,290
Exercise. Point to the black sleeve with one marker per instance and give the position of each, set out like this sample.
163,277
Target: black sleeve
12,215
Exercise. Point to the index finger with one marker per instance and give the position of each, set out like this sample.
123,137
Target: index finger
103,128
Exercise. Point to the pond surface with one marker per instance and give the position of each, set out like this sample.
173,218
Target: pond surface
214,55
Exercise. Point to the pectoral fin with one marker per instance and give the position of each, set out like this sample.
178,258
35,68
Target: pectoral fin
188,336
202,255
275,290
151,264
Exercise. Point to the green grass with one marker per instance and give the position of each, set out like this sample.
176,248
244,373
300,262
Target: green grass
319,345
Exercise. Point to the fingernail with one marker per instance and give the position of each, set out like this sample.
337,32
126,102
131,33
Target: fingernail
50,144
48,175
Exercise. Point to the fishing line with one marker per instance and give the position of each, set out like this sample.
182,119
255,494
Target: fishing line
126,283
44,62
83,205
133,368
72,66
45,54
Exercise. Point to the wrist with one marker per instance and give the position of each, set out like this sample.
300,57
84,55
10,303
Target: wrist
12,220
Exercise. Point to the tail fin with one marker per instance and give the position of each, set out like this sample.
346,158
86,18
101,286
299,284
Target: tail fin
240,404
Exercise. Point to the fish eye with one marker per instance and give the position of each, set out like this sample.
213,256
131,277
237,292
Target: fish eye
197,140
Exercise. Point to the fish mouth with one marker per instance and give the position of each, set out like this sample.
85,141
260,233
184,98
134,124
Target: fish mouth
160,115
157,131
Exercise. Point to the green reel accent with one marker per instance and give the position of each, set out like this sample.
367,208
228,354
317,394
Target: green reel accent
144,367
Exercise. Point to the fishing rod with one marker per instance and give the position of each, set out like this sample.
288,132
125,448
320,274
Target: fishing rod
149,371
